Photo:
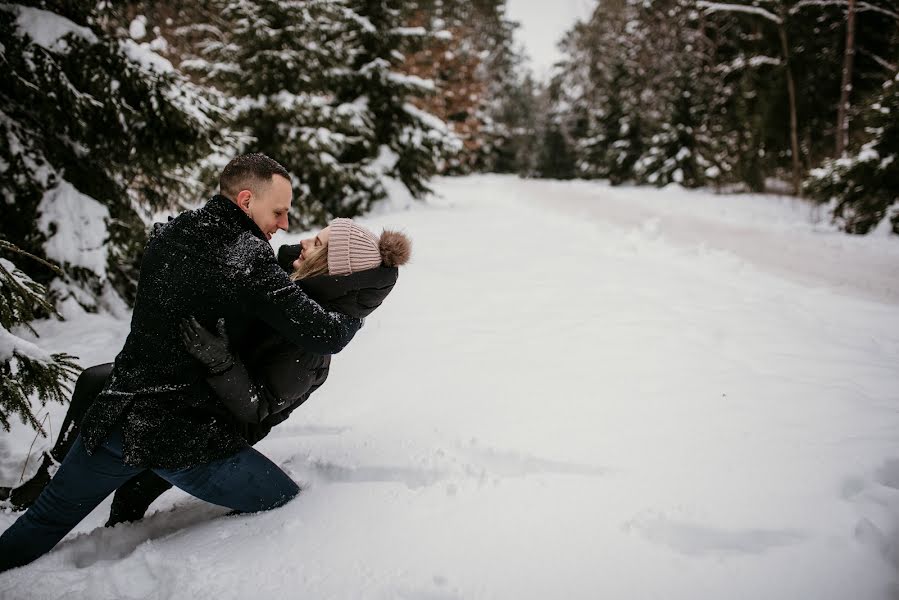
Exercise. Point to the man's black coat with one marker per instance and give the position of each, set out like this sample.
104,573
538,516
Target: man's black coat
211,263
271,377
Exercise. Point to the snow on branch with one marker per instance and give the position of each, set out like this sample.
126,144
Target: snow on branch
47,29
76,228
408,31
12,345
412,81
741,62
712,7
426,118
859,6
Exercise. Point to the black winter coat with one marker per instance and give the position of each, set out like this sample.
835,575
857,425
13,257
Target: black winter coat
272,375
211,263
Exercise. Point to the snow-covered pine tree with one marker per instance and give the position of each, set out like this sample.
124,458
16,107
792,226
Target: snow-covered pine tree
780,65
739,91
681,147
555,156
764,27
602,103
510,128
579,104
410,145
675,154
312,84
26,370
450,58
613,140
863,189
479,77
100,131
276,63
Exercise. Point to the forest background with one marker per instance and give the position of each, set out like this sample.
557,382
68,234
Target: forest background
115,112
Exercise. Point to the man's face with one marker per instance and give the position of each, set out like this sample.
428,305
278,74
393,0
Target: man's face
269,206
312,245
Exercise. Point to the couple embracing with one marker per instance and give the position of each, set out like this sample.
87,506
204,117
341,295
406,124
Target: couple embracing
226,341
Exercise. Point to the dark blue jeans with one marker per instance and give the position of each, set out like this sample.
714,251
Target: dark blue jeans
246,482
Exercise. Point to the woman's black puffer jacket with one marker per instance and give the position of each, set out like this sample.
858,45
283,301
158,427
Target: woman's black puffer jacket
274,376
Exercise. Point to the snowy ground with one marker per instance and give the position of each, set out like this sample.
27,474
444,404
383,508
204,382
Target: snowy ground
574,391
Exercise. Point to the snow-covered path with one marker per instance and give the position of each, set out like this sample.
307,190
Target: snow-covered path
566,396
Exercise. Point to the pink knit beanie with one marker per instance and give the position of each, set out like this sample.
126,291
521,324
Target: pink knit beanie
351,248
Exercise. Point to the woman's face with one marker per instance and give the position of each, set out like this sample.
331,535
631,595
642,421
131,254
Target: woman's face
312,245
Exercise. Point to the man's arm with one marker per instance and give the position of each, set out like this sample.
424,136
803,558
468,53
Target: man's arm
248,398
270,295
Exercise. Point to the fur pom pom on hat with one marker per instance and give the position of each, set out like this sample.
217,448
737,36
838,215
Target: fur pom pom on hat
353,248
395,247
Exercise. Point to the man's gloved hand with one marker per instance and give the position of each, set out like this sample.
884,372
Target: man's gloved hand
210,349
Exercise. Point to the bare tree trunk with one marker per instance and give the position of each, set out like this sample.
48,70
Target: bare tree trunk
794,121
843,109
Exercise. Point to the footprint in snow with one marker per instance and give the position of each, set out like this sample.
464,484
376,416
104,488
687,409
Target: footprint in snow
699,539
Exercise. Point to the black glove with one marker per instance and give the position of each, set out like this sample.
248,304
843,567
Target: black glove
287,254
208,348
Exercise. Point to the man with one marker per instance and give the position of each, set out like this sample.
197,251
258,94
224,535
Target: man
156,412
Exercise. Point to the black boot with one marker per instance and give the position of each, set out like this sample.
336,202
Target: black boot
87,387
132,500
23,496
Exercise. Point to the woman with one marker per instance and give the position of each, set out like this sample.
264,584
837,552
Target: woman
344,268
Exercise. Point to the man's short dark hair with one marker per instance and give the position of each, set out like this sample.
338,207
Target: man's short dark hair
249,171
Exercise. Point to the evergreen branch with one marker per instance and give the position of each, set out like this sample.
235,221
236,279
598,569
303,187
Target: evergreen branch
4,245
46,380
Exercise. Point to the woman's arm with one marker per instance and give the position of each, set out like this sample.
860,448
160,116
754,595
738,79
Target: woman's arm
249,400
314,377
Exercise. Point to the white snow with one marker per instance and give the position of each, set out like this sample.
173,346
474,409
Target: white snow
189,98
867,153
76,228
412,81
409,31
138,27
386,159
885,227
144,55
14,345
11,344
428,120
574,391
46,28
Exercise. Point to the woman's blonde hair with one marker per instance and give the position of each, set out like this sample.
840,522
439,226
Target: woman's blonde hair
315,263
